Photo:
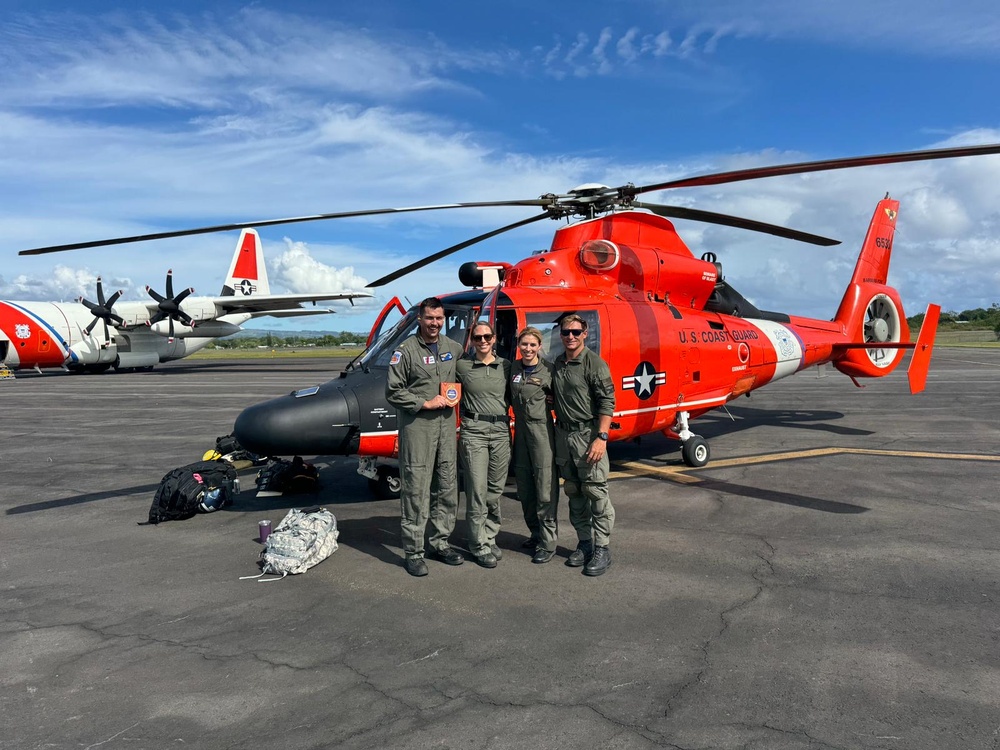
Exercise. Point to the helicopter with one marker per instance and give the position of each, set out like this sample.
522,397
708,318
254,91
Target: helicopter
680,340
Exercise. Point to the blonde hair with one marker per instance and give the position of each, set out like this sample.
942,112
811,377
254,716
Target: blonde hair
530,331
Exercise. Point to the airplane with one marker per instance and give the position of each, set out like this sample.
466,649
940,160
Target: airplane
141,334
679,338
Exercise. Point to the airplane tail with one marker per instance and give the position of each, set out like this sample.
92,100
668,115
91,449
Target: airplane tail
871,312
247,273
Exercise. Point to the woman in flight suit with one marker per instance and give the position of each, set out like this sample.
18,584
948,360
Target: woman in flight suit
484,441
534,441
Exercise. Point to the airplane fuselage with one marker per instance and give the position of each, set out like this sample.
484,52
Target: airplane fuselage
52,334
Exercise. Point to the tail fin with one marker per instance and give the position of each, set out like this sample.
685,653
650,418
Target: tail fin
871,311
247,273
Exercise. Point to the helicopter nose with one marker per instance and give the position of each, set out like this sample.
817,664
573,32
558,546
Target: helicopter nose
310,421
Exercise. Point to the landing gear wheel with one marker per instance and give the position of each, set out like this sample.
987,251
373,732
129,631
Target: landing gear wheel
387,485
695,451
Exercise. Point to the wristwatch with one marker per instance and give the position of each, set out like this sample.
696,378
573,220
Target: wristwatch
603,436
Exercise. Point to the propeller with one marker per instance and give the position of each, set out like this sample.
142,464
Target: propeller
587,201
169,307
102,311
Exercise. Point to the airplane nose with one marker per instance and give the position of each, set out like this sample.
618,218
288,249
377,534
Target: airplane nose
310,421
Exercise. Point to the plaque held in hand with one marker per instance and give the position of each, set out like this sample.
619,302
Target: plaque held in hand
452,393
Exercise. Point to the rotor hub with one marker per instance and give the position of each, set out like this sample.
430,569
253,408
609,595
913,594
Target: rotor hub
880,329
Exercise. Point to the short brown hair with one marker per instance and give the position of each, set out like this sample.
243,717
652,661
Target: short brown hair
431,303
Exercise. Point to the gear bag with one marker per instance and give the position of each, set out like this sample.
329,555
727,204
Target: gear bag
302,539
201,487
294,477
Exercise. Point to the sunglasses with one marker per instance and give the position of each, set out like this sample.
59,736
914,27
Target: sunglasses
482,337
571,331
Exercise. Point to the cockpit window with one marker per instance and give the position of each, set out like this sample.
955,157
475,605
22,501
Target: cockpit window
456,326
549,323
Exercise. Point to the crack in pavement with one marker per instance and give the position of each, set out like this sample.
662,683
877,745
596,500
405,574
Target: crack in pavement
756,574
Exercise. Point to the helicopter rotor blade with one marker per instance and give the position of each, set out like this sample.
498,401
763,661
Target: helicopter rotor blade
544,202
710,217
453,249
756,173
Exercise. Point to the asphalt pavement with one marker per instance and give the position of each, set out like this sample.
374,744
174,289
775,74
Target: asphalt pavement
830,580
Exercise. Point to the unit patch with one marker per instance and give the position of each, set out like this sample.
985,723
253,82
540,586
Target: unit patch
429,359
644,381
396,356
446,357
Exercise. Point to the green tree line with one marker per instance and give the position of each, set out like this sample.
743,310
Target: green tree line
979,319
273,341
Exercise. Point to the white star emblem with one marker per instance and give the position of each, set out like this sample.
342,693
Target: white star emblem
645,380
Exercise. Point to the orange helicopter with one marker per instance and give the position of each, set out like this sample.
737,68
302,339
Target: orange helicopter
679,339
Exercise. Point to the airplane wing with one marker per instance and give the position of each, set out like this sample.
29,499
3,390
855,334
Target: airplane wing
285,304
296,312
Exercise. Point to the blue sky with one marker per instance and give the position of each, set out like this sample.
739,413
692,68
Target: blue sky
122,119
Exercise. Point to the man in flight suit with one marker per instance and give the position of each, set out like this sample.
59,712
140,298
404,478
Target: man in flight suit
427,438
584,405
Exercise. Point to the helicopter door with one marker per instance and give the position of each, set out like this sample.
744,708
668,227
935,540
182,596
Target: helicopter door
376,331
488,312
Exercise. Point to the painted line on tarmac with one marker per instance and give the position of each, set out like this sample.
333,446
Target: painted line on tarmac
681,475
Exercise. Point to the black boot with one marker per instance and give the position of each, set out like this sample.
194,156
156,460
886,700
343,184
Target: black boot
599,563
582,554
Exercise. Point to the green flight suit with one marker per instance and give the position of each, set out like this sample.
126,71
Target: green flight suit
583,392
484,446
534,451
427,442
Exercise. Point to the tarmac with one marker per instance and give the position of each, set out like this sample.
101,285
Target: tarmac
829,580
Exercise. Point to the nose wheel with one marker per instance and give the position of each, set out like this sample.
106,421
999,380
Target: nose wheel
386,485
694,448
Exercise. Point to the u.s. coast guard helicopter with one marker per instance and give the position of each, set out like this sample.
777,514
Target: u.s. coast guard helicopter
680,340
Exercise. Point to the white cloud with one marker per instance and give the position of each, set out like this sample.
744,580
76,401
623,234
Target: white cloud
121,59
966,28
64,283
297,271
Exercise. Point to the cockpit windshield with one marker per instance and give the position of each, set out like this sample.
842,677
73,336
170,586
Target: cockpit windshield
457,321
